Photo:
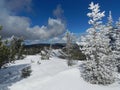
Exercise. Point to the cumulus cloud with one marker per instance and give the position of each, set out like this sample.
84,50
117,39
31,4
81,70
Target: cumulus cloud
20,25
58,12
54,28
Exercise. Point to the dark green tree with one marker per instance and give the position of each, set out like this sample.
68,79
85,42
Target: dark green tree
4,52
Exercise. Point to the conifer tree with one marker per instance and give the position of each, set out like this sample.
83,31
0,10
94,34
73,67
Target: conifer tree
117,44
4,52
118,23
69,48
16,48
99,66
111,31
110,19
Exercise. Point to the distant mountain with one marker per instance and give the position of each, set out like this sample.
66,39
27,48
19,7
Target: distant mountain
42,45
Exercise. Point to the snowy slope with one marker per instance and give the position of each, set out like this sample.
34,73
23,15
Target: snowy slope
54,74
41,73
71,80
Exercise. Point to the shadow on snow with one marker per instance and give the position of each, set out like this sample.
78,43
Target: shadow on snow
10,75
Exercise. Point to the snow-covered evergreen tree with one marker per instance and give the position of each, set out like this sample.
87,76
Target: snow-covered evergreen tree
110,19
111,31
69,47
118,23
117,49
117,44
99,66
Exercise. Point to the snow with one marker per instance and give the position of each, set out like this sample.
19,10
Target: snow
53,74
41,73
71,80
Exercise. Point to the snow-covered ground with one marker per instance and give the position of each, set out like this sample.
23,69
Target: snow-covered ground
53,74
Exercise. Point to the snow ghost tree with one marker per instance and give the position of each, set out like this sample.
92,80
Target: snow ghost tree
99,67
68,48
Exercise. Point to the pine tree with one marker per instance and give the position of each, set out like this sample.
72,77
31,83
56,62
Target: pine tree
110,19
118,23
117,45
111,31
16,48
99,66
4,52
69,48
10,50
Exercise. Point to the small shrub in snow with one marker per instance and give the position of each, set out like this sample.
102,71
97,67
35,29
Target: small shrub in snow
38,62
26,72
70,62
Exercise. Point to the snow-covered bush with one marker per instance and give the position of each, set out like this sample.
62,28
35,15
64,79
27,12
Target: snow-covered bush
100,65
45,54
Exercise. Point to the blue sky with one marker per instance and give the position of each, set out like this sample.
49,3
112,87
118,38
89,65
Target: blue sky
36,20
74,12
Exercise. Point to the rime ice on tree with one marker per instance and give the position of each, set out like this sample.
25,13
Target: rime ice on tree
99,66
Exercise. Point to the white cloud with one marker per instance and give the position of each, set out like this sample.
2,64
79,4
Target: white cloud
58,12
20,26
54,28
